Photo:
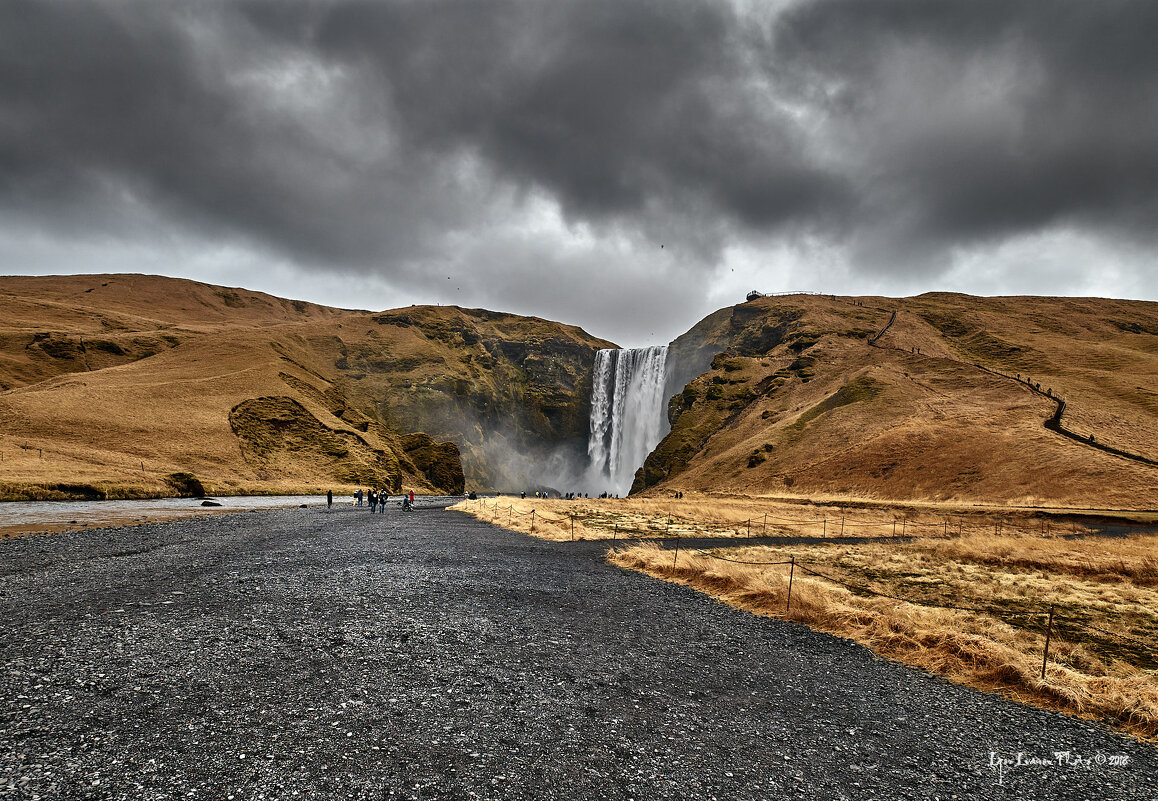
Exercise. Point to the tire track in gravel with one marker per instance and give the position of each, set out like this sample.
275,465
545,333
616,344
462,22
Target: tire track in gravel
313,654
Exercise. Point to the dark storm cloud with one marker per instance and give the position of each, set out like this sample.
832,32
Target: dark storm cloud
421,140
983,118
612,109
167,112
609,106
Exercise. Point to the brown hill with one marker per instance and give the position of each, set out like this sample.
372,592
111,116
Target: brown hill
949,403
128,385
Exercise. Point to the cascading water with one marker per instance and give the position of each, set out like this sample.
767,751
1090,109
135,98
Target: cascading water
627,413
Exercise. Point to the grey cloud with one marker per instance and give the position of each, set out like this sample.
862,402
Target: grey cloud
981,119
613,108
407,138
114,106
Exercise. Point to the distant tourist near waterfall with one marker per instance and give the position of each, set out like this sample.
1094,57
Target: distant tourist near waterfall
627,412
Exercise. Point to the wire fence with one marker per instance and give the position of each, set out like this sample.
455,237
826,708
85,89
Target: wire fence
771,525
902,528
1055,621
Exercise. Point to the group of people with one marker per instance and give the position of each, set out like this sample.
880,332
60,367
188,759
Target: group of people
376,499
570,496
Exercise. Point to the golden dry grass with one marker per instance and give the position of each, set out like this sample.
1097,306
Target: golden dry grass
822,412
1089,674
726,515
1002,562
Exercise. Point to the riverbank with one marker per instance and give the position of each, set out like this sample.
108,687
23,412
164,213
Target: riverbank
25,518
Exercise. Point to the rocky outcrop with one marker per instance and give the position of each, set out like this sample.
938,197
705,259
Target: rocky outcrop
509,391
279,435
438,461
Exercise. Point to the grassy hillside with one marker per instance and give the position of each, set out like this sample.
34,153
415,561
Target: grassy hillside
949,403
113,385
130,385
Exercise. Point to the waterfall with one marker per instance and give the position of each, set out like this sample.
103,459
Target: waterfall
627,413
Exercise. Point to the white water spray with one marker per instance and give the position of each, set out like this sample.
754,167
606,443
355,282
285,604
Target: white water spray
627,413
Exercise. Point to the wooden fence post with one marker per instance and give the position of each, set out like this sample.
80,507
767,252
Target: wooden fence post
532,521
791,571
677,554
1048,632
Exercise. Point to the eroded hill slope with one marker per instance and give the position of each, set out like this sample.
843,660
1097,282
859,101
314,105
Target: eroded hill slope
950,402
115,384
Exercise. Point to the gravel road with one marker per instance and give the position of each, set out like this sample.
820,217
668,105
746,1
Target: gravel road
305,653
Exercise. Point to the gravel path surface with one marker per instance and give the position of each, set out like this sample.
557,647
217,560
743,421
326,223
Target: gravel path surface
302,653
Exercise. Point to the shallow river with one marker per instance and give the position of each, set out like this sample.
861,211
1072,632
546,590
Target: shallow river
56,514
26,516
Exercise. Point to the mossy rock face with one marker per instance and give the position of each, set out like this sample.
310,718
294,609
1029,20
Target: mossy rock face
278,435
54,492
483,380
58,346
989,349
1135,327
948,324
759,330
438,461
106,346
860,389
186,485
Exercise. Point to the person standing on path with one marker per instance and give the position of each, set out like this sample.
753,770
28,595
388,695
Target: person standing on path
329,499
411,497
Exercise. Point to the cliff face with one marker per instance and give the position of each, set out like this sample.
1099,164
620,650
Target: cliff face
949,402
512,392
703,379
117,383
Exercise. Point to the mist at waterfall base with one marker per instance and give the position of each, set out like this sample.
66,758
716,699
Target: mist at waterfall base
628,419
628,400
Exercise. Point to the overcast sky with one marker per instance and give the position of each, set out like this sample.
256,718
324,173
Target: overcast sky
625,166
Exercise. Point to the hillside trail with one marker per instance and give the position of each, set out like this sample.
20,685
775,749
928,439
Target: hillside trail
427,655
1052,423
